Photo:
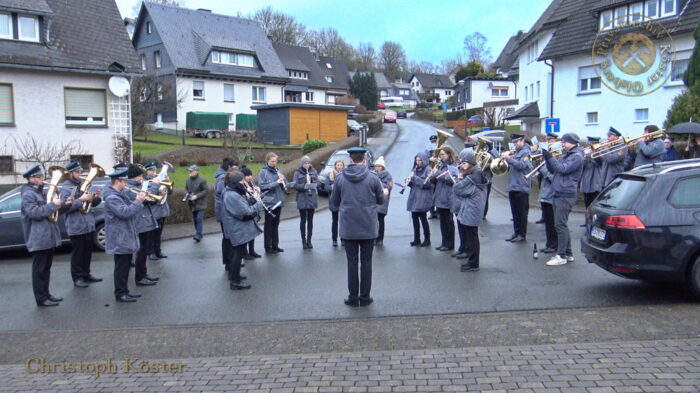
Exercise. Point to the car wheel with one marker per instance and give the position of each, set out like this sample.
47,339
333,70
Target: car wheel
695,277
98,239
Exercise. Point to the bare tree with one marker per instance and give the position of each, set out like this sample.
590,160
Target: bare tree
152,94
494,117
176,3
392,60
45,151
279,26
366,57
449,66
475,46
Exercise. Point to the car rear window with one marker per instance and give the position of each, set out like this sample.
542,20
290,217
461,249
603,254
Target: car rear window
621,193
686,194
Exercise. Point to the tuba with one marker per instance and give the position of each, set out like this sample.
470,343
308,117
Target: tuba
482,155
95,171
164,180
58,174
442,138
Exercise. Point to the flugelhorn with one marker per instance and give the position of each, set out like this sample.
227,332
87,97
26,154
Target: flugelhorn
95,171
59,174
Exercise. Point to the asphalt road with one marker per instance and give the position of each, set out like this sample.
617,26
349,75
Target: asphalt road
311,284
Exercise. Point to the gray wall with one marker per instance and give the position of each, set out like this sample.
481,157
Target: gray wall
273,126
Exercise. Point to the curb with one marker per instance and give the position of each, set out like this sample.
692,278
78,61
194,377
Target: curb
293,215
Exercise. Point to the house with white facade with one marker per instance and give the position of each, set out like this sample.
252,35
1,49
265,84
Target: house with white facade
55,73
307,81
432,87
474,92
640,52
209,62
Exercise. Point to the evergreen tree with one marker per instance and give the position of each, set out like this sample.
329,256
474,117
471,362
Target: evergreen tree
692,74
363,86
686,106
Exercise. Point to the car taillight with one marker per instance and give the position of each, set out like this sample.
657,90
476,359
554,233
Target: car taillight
628,222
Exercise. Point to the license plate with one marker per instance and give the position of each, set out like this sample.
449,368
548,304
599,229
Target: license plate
598,233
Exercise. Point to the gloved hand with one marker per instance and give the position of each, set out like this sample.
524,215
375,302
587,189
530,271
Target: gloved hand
546,154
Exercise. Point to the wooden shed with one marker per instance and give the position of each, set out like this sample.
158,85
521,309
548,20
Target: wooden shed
293,123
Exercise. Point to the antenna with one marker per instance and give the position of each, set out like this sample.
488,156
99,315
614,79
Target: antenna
119,86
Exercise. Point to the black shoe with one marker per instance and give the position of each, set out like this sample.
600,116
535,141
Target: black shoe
278,249
513,236
135,295
582,225
448,248
426,243
80,283
242,264
154,279
126,299
248,257
351,303
271,251
379,242
132,264
238,285
366,302
456,254
518,239
255,255
335,243
415,243
161,255
55,299
440,248
304,245
242,277
309,245
91,278
342,243
462,255
540,221
47,303
226,267
468,268
197,238
153,257
145,282
548,250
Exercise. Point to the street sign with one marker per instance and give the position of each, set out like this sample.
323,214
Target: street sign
552,125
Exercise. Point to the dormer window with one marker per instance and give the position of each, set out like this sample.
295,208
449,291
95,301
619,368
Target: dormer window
149,29
28,28
669,8
636,13
329,79
230,58
5,26
329,66
298,74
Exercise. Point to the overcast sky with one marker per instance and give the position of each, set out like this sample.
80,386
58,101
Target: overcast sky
431,30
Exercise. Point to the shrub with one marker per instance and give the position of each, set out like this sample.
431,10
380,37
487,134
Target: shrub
360,109
202,161
184,162
138,157
311,145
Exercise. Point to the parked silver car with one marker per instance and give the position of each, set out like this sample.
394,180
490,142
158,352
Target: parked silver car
328,167
495,136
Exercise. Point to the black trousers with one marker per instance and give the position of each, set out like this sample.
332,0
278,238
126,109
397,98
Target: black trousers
41,274
447,228
122,263
334,226
548,215
146,240
462,237
519,207
588,197
234,267
420,219
251,247
157,235
306,224
82,255
359,286
471,244
271,229
380,218
226,247
488,194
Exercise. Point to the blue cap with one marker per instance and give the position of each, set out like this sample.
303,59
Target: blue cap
357,150
613,131
433,138
151,165
515,137
120,166
595,139
551,135
120,174
33,171
74,166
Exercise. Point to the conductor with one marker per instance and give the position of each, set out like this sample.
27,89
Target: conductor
357,194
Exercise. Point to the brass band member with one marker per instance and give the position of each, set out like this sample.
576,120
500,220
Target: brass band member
219,188
41,235
519,186
251,187
79,226
420,199
383,209
648,151
471,190
272,181
305,182
161,211
338,167
614,163
546,198
440,176
145,226
591,181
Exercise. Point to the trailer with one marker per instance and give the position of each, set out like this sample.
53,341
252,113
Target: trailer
207,124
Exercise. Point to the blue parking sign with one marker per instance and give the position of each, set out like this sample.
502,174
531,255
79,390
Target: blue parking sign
552,125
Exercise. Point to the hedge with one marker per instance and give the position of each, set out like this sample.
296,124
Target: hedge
311,145
461,115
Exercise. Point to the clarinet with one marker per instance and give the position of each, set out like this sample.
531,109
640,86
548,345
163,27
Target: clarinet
308,181
280,176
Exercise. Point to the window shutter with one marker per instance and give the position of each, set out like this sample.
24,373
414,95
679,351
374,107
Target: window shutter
586,73
6,112
85,103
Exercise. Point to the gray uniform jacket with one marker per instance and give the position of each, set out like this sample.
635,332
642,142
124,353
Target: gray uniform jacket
239,218
567,172
219,188
651,152
591,180
77,223
442,198
267,181
39,233
307,196
145,221
420,199
546,193
197,186
611,164
519,167
472,192
388,183
159,211
357,194
121,234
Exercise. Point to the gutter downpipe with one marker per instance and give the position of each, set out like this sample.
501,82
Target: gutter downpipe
551,89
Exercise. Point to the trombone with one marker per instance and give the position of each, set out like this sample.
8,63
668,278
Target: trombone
605,148
555,153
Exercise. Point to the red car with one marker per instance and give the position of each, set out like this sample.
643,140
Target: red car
381,106
475,121
390,117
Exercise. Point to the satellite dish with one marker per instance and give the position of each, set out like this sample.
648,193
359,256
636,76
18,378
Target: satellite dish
119,86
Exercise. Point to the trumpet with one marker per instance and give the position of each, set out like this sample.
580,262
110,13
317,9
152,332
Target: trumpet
149,197
555,153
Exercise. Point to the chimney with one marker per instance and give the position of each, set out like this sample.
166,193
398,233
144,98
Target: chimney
204,10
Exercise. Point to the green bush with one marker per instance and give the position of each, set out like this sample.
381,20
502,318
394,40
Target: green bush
461,115
311,145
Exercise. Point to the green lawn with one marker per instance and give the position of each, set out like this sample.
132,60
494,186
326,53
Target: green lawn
181,174
194,141
149,149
